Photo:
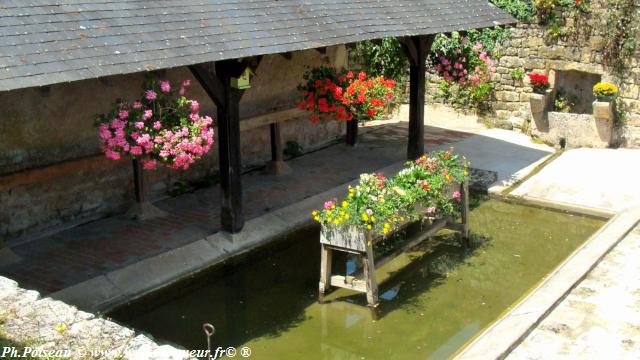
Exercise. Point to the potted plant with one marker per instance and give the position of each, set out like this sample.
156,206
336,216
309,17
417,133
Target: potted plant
539,85
163,127
603,107
330,94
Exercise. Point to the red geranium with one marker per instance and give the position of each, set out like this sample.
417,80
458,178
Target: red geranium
330,95
539,83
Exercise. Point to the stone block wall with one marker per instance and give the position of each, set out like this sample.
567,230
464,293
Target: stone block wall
53,175
530,49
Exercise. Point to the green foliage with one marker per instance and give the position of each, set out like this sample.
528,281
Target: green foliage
489,38
292,149
564,103
517,74
385,58
520,9
622,35
459,97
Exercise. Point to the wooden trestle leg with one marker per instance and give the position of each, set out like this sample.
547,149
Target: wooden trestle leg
465,213
325,271
371,283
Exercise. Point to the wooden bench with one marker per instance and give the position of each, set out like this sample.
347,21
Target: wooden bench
355,241
277,165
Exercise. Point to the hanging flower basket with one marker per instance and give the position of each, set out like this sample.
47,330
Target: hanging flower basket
162,128
159,129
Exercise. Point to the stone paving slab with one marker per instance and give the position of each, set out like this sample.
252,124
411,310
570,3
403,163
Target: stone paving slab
604,179
599,319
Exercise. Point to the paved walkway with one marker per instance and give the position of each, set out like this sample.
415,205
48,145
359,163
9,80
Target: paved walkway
604,179
599,319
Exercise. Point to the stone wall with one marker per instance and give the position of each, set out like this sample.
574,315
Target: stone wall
532,50
52,173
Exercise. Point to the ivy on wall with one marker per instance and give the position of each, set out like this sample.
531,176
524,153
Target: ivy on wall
622,35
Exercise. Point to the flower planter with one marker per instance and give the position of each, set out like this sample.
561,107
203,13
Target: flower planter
538,103
603,110
359,241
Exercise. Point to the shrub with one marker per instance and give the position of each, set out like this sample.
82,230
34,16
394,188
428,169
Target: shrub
520,9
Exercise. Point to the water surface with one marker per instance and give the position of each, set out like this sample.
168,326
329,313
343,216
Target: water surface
435,298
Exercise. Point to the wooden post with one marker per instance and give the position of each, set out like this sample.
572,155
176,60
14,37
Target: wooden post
371,283
138,180
276,166
325,272
352,132
231,217
216,81
416,48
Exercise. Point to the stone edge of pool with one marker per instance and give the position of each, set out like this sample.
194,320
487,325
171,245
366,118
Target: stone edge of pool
507,332
111,290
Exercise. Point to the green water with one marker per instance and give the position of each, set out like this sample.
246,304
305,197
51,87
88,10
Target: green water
436,297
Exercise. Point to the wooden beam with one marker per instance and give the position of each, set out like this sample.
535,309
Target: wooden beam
287,55
206,76
417,48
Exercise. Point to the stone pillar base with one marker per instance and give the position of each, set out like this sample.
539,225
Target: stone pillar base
7,257
144,211
278,167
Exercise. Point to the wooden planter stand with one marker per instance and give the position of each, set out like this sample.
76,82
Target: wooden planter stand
354,241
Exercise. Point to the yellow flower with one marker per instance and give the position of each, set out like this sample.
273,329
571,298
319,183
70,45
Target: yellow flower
466,173
373,218
605,89
330,219
333,206
316,218
336,221
61,327
385,231
365,217
345,204
314,213
401,218
369,227
346,216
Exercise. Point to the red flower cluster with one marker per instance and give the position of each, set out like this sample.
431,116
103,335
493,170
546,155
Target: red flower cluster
539,83
332,96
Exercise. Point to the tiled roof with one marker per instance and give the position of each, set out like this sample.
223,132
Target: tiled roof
45,42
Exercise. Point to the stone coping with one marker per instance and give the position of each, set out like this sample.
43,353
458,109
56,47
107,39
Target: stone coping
49,325
505,334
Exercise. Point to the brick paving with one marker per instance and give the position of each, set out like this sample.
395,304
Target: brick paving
69,257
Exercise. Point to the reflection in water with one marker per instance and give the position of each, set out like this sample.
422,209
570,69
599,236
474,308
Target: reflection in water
434,297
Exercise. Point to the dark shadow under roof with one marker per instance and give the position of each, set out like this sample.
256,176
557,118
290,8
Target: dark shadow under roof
44,42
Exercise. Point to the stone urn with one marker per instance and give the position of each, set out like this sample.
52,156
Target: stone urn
604,114
603,110
538,102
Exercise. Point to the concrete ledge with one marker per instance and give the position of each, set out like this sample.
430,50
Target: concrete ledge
500,338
